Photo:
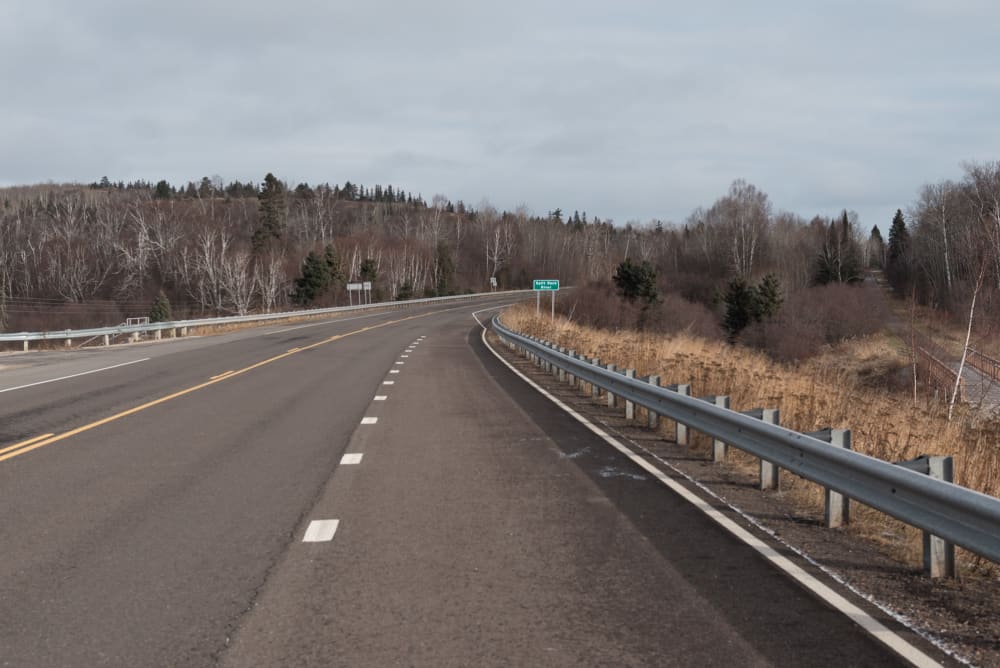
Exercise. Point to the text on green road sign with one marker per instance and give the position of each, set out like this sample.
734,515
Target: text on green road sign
545,284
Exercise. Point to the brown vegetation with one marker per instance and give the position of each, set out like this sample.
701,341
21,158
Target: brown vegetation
833,390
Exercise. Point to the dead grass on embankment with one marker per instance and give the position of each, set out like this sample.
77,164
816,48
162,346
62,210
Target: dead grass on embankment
828,392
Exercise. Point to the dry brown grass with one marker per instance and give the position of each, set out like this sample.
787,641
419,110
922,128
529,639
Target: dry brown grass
829,391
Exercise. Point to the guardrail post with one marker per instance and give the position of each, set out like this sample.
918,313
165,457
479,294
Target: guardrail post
719,448
654,418
570,378
26,345
939,554
612,400
595,391
681,433
69,343
107,340
837,511
157,334
184,331
769,470
629,406
561,373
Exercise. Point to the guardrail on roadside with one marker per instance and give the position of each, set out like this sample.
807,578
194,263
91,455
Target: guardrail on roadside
181,327
947,513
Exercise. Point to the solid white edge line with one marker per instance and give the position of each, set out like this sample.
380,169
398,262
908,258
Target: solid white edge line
75,375
369,420
351,458
320,531
874,627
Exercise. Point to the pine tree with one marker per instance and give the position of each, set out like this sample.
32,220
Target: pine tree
271,213
160,311
162,190
741,306
333,267
636,281
839,260
876,248
369,270
897,254
768,298
314,281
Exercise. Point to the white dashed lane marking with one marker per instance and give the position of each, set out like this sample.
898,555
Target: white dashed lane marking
369,420
351,458
380,397
394,371
388,382
320,531
400,363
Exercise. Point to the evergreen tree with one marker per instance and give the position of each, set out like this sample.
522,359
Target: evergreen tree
333,267
160,311
162,190
741,306
314,281
369,270
897,254
839,260
768,298
271,213
636,281
876,248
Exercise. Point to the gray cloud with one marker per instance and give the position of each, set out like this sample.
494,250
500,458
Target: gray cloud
633,110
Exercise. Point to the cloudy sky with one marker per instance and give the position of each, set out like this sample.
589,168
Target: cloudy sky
627,110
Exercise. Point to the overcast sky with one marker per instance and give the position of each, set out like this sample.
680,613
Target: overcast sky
625,110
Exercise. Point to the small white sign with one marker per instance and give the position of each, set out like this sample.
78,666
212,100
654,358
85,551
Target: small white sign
353,287
493,281
368,285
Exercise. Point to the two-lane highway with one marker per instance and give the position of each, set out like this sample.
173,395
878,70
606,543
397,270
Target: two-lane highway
371,492
141,530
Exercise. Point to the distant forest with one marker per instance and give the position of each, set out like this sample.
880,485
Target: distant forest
75,255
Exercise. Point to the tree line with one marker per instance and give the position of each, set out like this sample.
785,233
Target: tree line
111,248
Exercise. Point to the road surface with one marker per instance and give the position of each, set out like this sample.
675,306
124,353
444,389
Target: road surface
377,491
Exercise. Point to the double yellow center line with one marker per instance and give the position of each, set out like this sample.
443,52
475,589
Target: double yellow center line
41,441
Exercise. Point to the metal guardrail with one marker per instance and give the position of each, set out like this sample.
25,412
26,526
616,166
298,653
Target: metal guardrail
957,514
68,334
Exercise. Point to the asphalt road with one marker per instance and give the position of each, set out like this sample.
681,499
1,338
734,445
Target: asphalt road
163,522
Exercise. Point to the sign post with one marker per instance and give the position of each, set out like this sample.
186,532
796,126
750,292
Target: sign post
540,285
352,288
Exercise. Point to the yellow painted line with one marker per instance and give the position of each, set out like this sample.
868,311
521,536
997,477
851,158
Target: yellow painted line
294,350
48,439
24,443
221,375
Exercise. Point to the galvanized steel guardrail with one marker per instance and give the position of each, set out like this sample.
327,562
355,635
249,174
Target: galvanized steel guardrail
956,514
69,334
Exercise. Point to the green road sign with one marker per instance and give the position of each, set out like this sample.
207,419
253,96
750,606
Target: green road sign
545,284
